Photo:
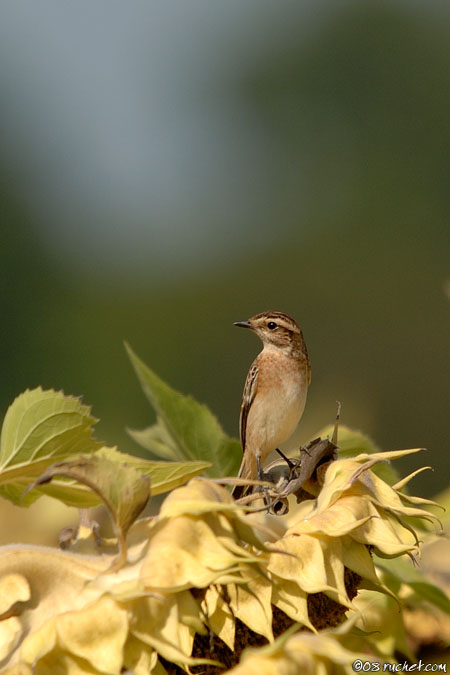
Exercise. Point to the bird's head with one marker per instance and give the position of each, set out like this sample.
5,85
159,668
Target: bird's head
275,329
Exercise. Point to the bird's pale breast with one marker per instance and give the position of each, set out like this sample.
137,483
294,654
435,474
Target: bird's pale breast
279,401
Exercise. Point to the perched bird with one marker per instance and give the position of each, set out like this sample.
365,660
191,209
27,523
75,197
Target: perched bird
274,393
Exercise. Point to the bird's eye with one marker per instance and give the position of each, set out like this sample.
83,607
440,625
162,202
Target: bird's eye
271,325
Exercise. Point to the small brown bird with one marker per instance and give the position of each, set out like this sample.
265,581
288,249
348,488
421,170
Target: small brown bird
275,391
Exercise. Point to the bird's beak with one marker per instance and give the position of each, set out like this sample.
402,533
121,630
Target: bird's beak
243,324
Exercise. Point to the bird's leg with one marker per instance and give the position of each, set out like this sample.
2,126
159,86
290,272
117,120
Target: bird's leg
267,499
258,464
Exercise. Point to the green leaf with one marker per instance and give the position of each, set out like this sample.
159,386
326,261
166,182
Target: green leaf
351,443
39,427
186,429
70,493
124,489
66,491
157,440
405,573
164,476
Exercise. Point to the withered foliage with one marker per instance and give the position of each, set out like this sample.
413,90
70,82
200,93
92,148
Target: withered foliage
207,578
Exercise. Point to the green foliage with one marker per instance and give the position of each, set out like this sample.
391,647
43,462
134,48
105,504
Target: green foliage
402,572
164,476
43,426
185,429
39,428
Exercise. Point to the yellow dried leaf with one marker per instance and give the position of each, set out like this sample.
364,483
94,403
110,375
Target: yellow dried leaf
231,533
88,635
383,495
421,501
349,471
323,648
138,657
56,578
184,552
158,669
338,520
58,661
19,669
385,534
197,497
14,588
399,485
189,612
385,456
338,478
334,567
254,664
219,617
39,642
292,600
300,559
357,558
251,603
10,633
303,653
157,622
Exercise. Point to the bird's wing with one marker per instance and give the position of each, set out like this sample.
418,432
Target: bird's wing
250,387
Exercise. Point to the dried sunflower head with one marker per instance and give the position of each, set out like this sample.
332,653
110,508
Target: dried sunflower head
204,568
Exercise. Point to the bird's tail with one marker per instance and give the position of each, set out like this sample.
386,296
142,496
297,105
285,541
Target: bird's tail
248,469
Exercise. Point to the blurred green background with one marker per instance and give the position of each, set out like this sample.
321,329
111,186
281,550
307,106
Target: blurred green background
168,168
